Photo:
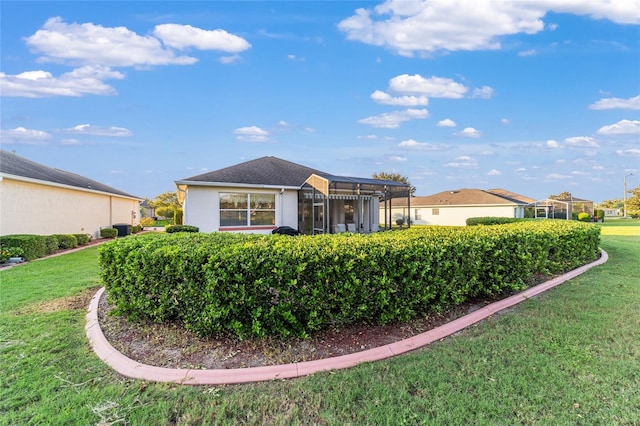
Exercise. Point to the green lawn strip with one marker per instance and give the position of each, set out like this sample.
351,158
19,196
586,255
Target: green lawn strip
569,356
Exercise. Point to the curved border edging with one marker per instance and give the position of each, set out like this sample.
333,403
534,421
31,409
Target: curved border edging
133,369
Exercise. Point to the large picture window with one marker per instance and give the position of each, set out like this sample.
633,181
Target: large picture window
242,209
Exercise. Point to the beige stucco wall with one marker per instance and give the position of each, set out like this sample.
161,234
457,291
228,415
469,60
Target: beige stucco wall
455,215
202,207
35,208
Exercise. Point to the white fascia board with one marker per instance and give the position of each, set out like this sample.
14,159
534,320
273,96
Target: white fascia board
60,185
234,185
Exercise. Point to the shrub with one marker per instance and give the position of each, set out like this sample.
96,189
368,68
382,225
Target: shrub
83,239
66,241
177,217
135,229
8,252
490,220
108,233
34,246
599,214
147,221
181,228
584,217
263,285
51,244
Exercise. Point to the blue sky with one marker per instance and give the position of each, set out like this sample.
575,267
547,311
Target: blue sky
537,97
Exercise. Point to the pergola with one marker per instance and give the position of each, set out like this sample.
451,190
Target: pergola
324,191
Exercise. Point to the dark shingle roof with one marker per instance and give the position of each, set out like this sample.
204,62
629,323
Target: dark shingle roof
466,197
12,164
263,171
274,171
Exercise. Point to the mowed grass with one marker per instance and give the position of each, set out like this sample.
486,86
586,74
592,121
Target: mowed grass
570,356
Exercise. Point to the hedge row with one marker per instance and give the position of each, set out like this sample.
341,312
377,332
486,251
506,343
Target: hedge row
491,220
36,246
260,285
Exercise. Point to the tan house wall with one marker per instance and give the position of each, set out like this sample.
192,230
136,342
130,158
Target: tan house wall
454,215
37,208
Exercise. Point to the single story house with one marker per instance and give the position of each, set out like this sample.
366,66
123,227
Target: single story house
36,199
454,207
260,195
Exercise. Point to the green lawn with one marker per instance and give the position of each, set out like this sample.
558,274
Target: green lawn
570,356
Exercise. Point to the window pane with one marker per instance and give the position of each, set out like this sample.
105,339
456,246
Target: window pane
233,201
261,217
263,201
233,218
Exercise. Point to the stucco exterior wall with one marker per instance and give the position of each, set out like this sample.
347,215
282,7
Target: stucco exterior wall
202,208
454,215
33,208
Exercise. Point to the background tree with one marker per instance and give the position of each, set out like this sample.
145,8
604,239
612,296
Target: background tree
166,204
614,203
397,177
633,201
563,196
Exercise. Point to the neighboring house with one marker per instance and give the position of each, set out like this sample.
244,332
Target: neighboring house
36,199
455,207
146,209
260,195
612,212
561,208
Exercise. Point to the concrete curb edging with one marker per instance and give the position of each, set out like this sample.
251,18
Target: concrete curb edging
133,369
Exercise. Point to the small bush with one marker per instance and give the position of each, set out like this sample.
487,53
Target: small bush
66,241
108,233
181,228
135,229
51,244
584,217
82,239
177,217
490,220
147,221
8,252
599,214
34,246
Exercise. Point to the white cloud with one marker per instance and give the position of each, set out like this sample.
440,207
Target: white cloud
251,134
584,141
504,121
425,27
446,123
425,146
530,52
633,152
557,176
485,92
408,101
622,127
396,158
494,172
90,44
229,59
463,162
553,144
88,80
617,103
24,135
88,129
469,132
434,87
368,137
392,120
186,36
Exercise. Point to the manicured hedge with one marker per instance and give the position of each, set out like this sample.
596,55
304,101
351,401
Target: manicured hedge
66,241
238,284
490,220
34,246
83,239
181,228
108,233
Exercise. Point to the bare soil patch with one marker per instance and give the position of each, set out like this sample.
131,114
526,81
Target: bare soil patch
77,301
